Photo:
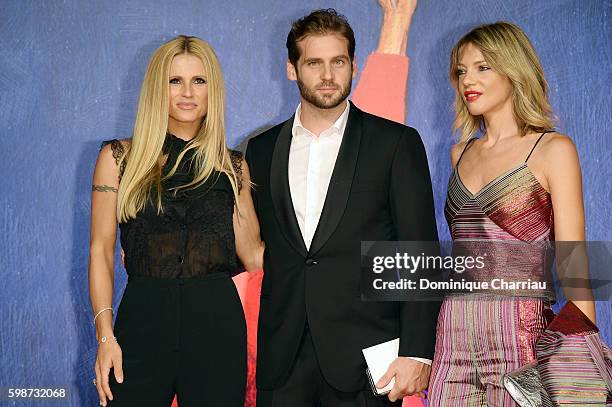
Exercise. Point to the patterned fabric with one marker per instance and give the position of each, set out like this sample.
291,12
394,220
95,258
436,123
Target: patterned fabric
119,151
481,337
194,234
574,363
514,206
512,209
120,147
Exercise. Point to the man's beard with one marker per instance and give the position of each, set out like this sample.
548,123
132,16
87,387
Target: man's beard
325,101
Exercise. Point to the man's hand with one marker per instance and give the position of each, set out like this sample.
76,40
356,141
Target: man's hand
411,378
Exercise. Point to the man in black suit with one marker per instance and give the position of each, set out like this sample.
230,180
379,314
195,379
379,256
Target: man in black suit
326,179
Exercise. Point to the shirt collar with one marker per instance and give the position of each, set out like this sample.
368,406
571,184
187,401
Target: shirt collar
339,125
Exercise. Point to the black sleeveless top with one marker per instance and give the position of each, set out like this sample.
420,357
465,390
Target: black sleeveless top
194,235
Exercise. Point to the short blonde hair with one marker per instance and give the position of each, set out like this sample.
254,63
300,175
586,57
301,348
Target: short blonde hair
143,167
508,50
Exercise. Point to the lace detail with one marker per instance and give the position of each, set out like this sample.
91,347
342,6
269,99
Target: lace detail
236,157
118,151
194,235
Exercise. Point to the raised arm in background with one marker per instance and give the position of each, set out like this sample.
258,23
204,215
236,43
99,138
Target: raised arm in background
381,89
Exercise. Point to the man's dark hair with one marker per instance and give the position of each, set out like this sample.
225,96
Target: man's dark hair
319,22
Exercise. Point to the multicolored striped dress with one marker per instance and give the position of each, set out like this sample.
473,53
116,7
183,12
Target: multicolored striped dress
479,338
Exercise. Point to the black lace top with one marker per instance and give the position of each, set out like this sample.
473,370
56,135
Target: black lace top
194,235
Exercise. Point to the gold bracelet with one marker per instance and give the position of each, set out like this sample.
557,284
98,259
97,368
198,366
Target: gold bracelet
101,311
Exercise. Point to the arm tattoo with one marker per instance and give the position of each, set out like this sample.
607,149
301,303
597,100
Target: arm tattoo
103,188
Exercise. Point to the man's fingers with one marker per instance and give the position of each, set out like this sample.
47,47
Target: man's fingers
395,393
403,387
105,387
386,378
399,392
408,390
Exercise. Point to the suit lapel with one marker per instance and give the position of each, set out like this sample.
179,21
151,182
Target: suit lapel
279,189
341,181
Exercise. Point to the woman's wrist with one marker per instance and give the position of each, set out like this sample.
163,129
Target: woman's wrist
393,34
104,326
105,332
107,339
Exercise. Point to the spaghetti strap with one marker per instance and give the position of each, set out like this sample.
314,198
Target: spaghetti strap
536,143
464,149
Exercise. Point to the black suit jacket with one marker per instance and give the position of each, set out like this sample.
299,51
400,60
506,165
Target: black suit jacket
380,190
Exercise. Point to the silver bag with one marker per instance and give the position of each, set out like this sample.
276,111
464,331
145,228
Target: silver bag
526,388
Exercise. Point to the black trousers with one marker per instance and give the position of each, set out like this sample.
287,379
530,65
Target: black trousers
306,386
185,337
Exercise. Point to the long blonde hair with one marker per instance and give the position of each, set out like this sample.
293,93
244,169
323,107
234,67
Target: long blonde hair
508,50
143,157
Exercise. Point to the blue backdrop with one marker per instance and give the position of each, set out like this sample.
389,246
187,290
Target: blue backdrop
70,75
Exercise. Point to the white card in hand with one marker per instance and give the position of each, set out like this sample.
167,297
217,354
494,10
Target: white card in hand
378,359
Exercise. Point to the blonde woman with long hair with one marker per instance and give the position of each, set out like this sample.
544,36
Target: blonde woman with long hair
183,204
505,187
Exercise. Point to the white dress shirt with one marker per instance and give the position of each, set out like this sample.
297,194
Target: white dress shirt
311,163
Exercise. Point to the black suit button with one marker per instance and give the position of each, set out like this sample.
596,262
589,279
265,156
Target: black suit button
310,262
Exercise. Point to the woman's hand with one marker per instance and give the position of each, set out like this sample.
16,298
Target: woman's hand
397,17
109,356
404,7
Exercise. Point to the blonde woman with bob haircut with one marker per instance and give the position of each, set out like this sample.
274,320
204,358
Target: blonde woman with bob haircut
183,204
504,188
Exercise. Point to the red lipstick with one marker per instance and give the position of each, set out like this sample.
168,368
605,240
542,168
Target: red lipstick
471,95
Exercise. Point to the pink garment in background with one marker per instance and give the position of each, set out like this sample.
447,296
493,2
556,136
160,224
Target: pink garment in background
381,91
249,289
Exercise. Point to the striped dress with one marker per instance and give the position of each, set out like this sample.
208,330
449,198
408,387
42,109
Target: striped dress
479,338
